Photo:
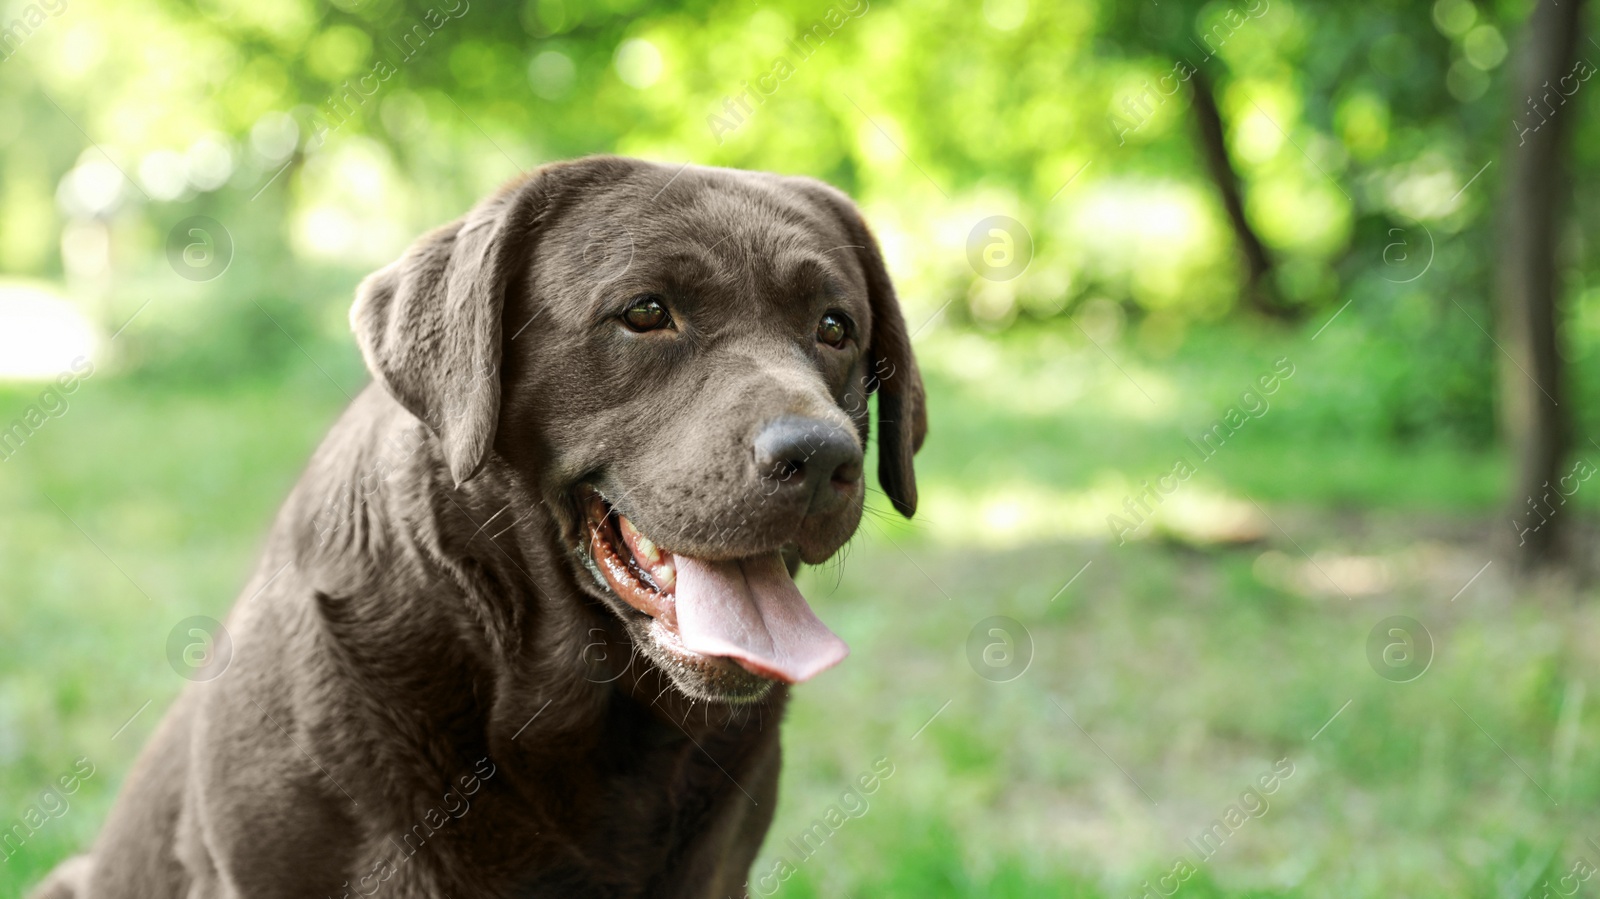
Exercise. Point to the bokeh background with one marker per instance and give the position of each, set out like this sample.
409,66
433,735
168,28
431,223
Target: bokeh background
1108,221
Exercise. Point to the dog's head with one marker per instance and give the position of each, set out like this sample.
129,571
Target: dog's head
678,360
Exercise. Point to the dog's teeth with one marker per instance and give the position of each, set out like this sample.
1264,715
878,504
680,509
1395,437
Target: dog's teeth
665,573
628,530
649,556
647,550
642,546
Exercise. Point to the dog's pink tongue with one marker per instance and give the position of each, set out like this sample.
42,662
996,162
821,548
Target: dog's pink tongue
749,610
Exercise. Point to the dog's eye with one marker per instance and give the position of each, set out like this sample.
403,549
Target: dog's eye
834,329
647,314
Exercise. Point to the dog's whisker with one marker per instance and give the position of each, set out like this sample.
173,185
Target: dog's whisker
511,525
533,584
486,521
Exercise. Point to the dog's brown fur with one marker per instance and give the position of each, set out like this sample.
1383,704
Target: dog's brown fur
429,694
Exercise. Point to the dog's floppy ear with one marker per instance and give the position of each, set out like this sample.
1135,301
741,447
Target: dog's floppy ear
892,372
429,324
902,402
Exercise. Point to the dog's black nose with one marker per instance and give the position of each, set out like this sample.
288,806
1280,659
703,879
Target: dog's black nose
809,456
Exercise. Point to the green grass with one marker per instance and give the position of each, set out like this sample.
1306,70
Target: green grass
1170,675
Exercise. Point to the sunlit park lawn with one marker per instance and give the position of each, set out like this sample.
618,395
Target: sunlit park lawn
1154,686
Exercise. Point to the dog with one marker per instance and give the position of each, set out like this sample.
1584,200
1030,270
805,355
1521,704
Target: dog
526,625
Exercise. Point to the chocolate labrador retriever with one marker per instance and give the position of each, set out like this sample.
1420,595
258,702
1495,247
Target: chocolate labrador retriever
526,625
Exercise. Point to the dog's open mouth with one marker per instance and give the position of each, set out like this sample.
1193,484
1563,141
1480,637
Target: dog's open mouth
745,610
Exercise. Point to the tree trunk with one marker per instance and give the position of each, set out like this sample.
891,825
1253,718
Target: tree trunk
1259,292
1531,380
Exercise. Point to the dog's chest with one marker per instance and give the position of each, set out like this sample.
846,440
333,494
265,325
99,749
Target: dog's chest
644,813
659,789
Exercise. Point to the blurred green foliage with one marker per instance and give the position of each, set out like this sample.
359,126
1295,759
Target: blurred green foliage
325,136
